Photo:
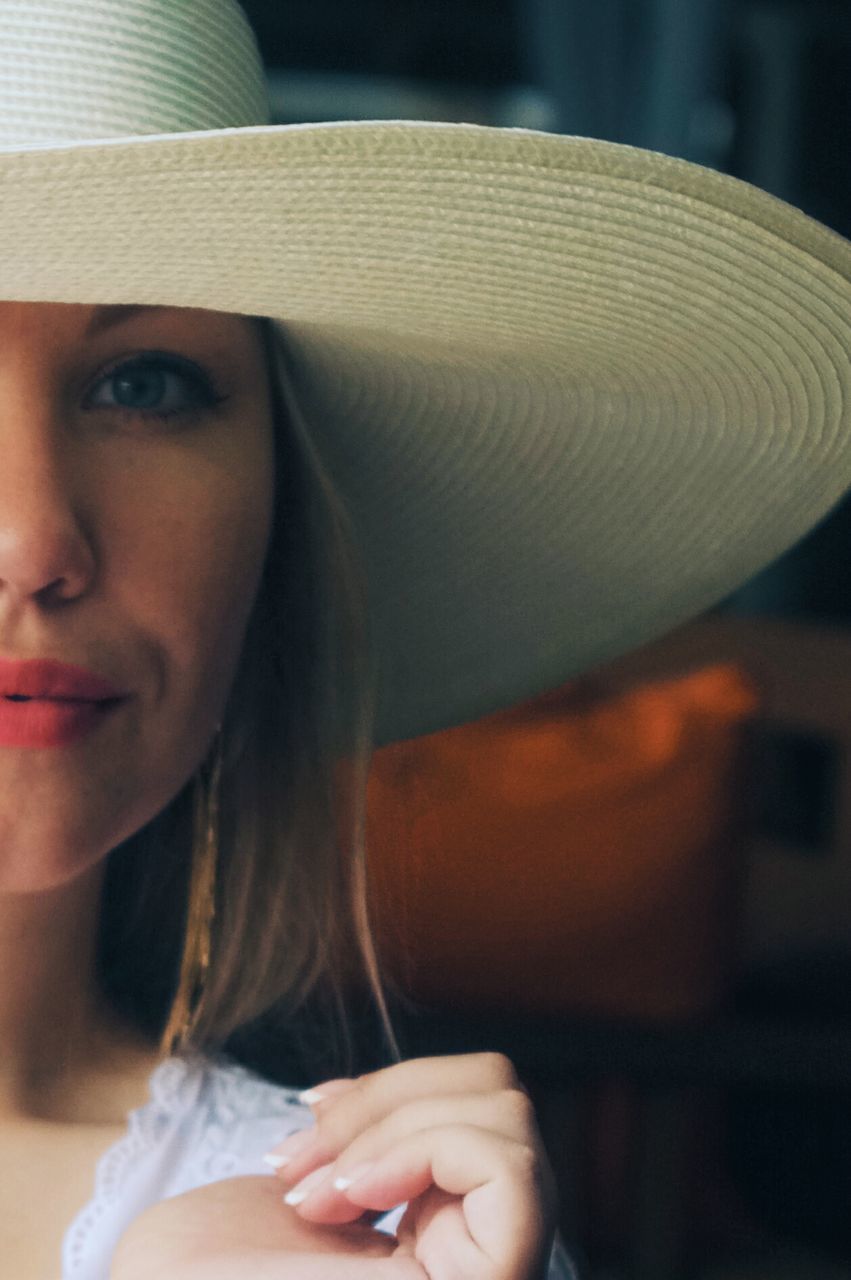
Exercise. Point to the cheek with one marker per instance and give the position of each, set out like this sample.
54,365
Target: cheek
183,537
195,571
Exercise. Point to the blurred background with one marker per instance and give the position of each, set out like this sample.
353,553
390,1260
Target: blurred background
639,886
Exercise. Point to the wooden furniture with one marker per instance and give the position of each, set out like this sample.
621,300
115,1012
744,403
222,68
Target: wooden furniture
797,890
794,892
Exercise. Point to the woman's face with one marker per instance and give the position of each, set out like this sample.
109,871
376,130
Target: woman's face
136,496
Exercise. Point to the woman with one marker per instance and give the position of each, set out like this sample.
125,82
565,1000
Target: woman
285,412
174,473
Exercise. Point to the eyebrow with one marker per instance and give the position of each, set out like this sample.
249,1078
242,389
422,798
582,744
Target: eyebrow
107,316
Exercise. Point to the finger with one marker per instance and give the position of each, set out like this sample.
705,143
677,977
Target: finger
502,1184
419,1217
381,1091
507,1111
432,1229
341,1117
327,1089
305,1139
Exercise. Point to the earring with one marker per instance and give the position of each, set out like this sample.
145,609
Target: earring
195,961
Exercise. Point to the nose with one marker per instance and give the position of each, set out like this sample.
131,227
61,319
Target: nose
45,554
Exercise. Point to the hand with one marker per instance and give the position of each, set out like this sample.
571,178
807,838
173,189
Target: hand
239,1227
455,1137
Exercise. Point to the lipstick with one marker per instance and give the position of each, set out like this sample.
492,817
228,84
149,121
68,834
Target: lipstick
45,703
46,678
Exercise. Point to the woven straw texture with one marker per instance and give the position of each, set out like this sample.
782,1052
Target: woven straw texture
573,393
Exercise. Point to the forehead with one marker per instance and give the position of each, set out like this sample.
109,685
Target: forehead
110,313
105,317
78,320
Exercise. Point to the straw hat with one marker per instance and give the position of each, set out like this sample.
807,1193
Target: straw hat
573,392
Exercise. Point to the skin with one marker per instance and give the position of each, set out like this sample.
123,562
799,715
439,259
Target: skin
454,1136
134,545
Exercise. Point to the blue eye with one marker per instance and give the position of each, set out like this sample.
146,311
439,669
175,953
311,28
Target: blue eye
155,386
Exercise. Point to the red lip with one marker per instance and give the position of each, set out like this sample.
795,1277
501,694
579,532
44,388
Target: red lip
46,678
52,722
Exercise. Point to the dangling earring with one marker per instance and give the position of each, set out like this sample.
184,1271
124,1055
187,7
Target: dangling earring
195,961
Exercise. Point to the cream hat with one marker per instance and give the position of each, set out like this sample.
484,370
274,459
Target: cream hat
572,392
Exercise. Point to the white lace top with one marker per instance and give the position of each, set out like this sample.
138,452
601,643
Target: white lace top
203,1121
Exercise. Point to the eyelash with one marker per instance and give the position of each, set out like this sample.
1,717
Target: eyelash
203,391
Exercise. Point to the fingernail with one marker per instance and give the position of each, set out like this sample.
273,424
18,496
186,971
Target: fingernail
309,1096
326,1089
291,1147
345,1180
303,1189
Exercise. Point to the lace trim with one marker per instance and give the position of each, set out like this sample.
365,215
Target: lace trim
238,1094
234,1098
168,1087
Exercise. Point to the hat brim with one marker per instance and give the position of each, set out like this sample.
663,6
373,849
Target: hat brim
573,393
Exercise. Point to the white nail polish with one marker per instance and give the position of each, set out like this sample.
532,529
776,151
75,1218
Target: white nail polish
303,1189
309,1096
344,1180
277,1162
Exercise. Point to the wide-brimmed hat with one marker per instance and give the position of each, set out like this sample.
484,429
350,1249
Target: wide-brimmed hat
572,392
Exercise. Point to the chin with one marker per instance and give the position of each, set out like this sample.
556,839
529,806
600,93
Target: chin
31,881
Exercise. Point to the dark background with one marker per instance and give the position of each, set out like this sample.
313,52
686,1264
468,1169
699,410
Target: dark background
759,89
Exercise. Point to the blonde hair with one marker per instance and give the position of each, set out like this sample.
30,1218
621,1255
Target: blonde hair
291,933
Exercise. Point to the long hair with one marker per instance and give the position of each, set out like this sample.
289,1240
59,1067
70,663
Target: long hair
292,962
